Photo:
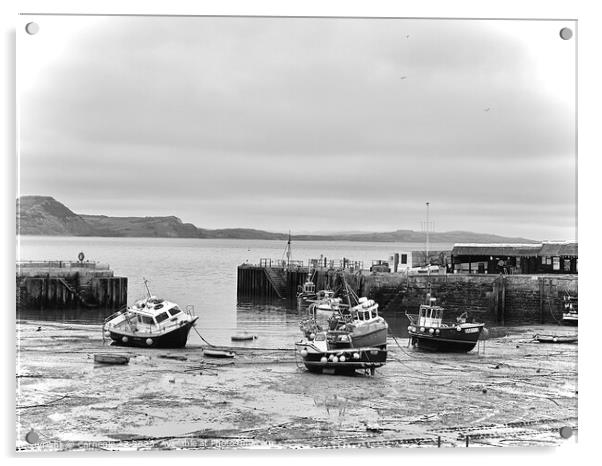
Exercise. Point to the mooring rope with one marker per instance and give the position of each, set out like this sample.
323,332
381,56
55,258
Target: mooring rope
201,336
411,356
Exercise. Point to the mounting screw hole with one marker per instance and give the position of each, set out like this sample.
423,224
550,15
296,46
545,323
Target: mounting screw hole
566,33
32,28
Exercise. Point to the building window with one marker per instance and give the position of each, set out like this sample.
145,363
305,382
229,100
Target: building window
567,265
556,264
404,258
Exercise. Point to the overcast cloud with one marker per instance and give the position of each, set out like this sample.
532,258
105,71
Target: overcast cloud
304,124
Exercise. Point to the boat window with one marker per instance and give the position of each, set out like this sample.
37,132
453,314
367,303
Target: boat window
320,337
147,320
174,310
161,317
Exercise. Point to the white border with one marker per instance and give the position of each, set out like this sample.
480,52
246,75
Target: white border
589,145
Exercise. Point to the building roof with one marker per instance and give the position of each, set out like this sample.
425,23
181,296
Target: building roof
496,249
568,248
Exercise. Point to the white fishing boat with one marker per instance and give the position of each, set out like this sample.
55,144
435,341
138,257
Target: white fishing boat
353,338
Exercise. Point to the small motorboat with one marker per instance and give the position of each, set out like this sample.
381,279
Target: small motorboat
152,323
556,338
216,353
326,302
111,358
243,337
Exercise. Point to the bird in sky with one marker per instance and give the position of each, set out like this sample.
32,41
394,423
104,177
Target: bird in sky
407,36
487,109
402,77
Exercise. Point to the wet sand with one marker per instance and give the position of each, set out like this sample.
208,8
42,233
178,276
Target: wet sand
513,392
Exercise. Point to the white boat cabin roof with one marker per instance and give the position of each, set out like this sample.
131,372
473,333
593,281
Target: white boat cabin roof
152,306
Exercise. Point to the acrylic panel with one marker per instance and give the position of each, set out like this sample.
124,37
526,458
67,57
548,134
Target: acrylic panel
278,232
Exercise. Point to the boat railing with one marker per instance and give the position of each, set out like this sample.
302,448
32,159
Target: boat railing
120,311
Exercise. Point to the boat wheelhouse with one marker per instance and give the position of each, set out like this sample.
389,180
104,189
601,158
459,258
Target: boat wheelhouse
152,322
570,314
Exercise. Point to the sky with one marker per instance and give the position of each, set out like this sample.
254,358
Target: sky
309,125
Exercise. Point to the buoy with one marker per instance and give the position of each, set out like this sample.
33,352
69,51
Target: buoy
331,357
554,339
458,328
437,331
304,352
124,339
342,358
409,328
422,329
431,330
312,336
335,359
356,355
107,334
149,341
323,360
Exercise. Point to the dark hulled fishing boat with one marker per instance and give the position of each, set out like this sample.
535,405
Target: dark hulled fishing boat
428,331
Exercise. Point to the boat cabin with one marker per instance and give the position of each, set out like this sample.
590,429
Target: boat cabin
430,316
309,287
367,309
150,315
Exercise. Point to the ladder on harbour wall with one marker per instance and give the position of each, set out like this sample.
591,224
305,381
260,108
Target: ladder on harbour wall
277,281
75,293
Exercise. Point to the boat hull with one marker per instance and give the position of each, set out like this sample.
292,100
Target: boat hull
366,358
372,337
175,338
448,340
556,338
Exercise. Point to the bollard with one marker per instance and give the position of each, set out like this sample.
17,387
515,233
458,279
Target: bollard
467,440
439,441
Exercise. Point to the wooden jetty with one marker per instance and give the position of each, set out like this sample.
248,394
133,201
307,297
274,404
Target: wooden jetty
44,285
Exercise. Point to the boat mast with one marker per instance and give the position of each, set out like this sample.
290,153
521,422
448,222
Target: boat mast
146,286
288,249
426,257
426,253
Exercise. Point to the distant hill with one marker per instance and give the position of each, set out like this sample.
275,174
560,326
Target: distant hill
45,216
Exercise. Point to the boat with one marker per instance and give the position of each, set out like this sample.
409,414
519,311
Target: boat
355,338
556,338
306,293
111,358
243,337
570,314
325,301
428,331
151,322
216,353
